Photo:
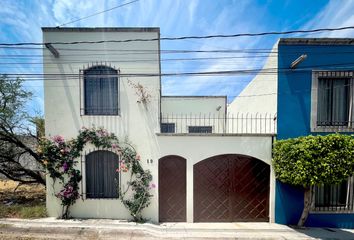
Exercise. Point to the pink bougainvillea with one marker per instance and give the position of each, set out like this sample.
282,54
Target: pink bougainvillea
58,139
58,157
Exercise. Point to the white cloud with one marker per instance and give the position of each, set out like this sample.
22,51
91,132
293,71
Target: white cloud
175,18
335,14
193,5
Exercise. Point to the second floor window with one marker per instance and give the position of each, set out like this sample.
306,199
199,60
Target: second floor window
333,101
101,89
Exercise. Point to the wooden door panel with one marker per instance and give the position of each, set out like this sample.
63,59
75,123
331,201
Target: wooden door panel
172,189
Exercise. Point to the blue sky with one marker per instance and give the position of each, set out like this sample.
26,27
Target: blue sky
21,21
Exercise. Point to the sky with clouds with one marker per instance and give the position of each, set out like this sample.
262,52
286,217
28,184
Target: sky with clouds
21,21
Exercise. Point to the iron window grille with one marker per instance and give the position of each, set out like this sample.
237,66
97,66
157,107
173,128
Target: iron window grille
332,100
99,90
334,198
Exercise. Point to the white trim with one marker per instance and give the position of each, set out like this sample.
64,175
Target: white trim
314,101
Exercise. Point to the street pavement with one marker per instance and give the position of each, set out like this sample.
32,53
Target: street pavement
50,228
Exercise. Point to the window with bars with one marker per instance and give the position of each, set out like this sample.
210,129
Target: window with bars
101,176
200,129
101,91
332,100
168,128
337,197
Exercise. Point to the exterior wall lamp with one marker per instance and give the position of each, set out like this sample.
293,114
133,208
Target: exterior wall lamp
298,61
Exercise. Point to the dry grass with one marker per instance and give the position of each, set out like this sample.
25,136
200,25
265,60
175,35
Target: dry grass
27,201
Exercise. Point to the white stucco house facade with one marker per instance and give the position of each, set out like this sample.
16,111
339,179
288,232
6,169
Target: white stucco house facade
208,163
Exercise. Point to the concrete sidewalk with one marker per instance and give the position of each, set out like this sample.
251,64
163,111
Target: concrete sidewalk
50,228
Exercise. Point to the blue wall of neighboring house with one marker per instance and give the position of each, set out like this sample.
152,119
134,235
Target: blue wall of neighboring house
294,107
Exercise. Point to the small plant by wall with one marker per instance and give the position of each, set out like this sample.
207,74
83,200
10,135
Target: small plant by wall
140,91
60,158
313,160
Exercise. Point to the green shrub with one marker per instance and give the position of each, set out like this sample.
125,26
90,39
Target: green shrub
313,160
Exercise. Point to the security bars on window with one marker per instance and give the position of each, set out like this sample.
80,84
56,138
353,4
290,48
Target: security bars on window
334,198
332,102
99,90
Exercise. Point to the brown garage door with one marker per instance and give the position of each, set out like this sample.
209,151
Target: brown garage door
172,189
230,188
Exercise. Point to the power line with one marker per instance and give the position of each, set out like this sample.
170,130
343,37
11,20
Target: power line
184,37
266,50
264,71
246,54
145,60
227,59
97,13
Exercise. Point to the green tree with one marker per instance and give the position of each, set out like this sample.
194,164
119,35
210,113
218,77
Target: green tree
18,139
312,161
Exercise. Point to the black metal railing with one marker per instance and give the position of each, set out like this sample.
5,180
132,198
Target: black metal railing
239,123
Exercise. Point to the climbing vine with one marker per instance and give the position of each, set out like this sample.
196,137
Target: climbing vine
60,158
143,95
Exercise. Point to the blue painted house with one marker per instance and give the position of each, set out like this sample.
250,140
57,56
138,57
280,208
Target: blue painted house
315,96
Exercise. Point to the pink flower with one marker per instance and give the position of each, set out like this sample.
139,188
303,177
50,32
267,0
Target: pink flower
137,157
153,185
102,133
58,139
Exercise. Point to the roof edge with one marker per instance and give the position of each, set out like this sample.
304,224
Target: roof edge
316,41
100,29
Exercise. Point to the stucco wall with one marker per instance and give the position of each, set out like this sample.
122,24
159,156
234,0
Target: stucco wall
194,111
193,105
259,96
294,119
138,122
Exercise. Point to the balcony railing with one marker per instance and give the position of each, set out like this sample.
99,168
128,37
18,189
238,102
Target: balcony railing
239,123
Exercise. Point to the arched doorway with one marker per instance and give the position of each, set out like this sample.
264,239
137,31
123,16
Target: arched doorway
172,189
229,188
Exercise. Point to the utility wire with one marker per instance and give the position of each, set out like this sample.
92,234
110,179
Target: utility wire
246,54
184,37
97,13
265,71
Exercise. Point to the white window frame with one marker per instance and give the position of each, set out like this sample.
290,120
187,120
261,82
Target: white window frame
314,101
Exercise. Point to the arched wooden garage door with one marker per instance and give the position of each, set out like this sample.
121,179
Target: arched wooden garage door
229,188
172,189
